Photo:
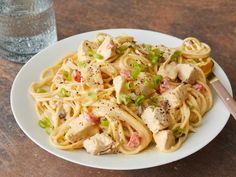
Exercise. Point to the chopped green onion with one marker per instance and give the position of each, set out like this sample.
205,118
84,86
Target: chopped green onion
64,93
136,70
128,85
40,90
153,101
67,76
157,79
104,123
154,55
175,56
89,53
154,82
98,56
139,100
122,49
124,99
178,132
45,123
92,95
81,64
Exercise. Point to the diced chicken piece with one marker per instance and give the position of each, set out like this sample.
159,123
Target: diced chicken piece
156,118
176,96
168,70
187,73
83,48
107,48
91,76
141,87
80,129
164,140
99,144
118,82
109,69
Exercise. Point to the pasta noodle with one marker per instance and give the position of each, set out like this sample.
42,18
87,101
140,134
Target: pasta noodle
114,95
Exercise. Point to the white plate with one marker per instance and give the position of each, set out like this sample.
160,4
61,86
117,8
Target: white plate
23,107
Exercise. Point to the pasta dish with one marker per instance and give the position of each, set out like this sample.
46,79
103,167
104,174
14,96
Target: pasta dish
114,95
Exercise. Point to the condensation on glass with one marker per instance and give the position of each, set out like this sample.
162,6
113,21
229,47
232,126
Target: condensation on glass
26,27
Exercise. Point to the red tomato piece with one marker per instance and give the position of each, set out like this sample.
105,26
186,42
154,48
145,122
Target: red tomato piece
76,75
126,74
91,118
198,87
134,140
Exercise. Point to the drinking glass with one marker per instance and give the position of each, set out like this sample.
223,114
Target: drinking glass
26,27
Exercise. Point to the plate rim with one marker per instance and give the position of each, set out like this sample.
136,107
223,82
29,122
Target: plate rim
96,166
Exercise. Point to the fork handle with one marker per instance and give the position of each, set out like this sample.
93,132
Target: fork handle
225,97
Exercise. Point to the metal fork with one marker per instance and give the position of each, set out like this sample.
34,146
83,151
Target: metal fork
223,93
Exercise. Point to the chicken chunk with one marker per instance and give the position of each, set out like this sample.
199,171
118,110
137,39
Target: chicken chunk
107,48
169,70
109,69
141,87
187,73
83,48
91,76
156,118
99,144
119,82
164,140
80,129
176,96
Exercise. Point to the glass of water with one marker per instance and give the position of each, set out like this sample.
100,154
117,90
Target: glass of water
26,27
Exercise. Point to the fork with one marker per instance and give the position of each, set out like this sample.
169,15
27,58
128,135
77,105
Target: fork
223,93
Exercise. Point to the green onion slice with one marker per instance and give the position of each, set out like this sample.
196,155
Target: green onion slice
178,132
64,93
104,123
81,64
45,123
154,82
139,100
67,76
125,99
122,49
136,70
98,56
175,56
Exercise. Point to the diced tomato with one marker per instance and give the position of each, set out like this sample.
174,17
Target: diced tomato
126,74
198,87
91,118
134,140
76,75
164,86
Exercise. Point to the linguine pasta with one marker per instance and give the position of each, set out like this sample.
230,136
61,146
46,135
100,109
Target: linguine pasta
114,95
